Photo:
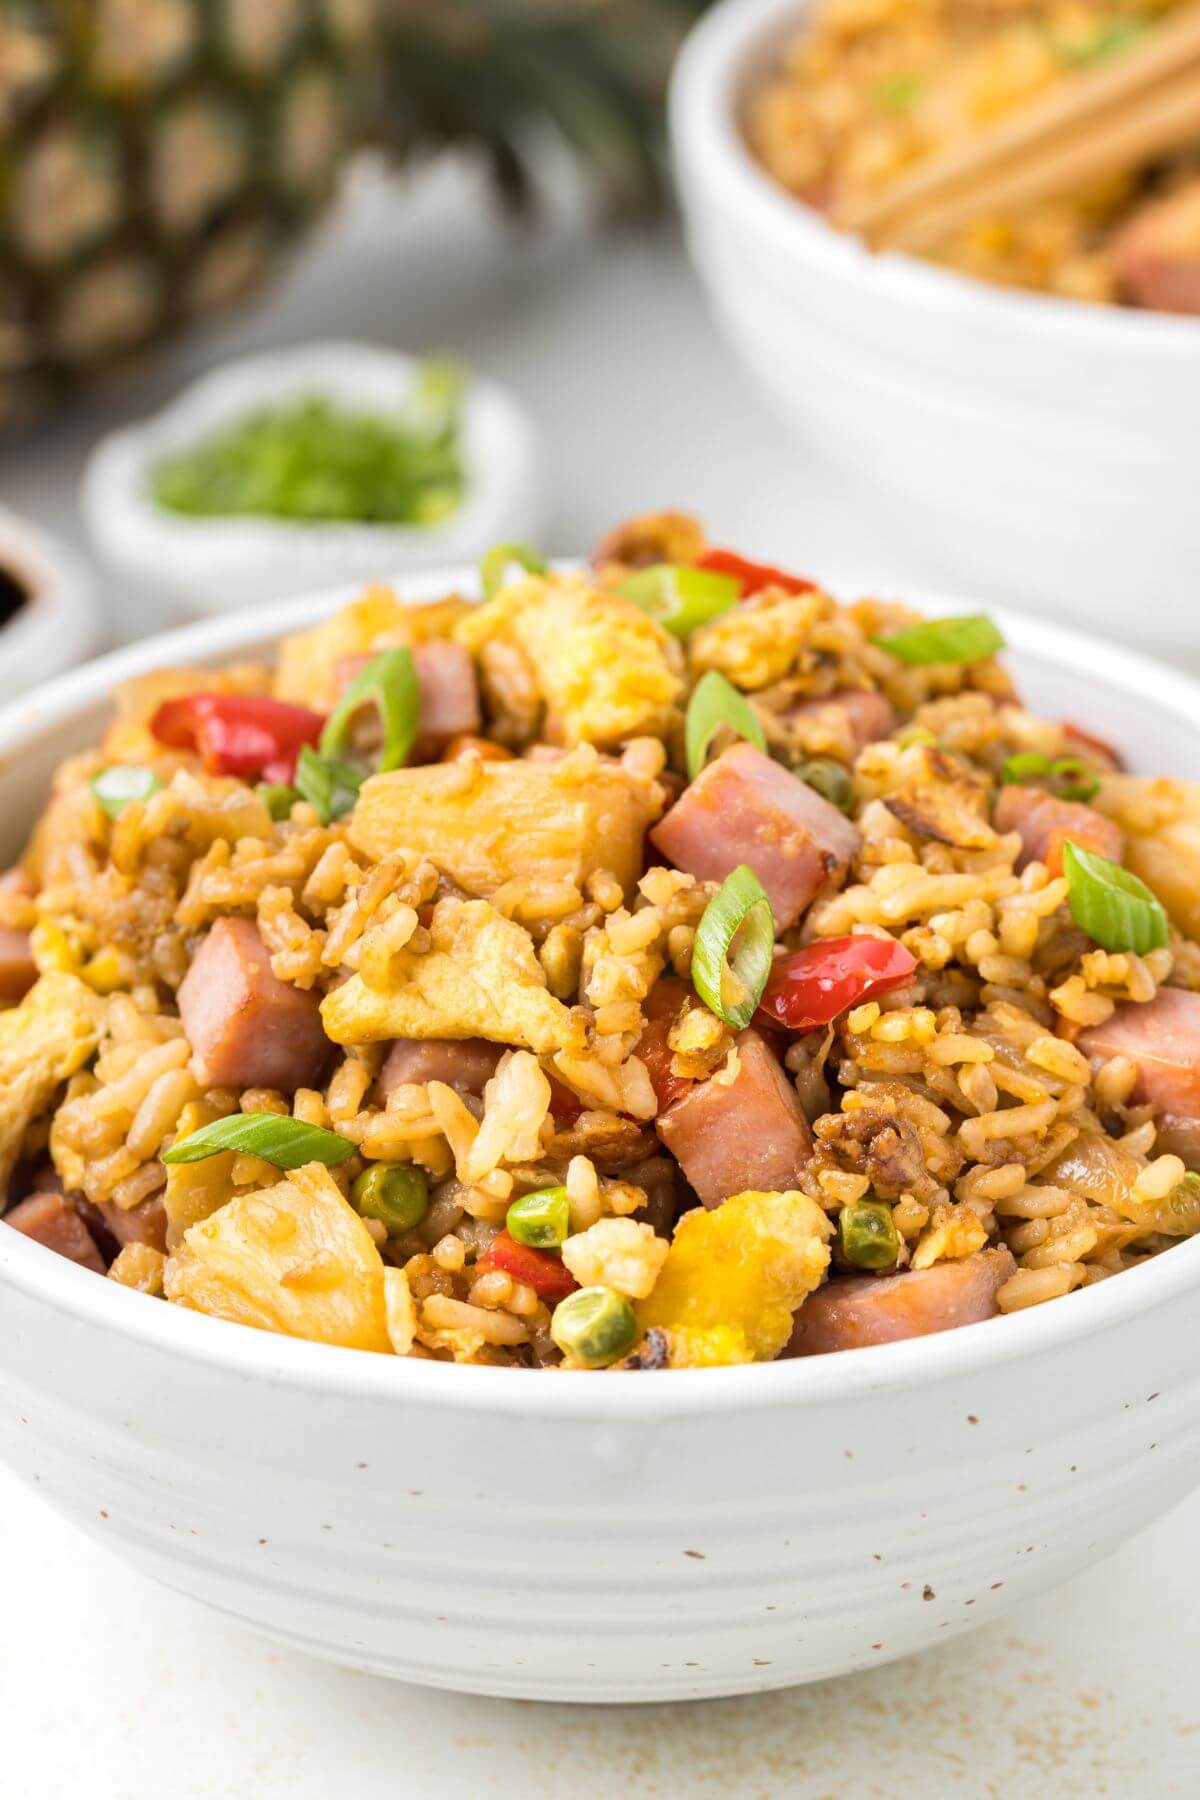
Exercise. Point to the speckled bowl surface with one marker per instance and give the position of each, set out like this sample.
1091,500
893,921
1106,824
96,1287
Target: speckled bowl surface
609,1536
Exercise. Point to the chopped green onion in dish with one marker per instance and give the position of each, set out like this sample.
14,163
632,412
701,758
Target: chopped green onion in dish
288,1143
328,783
542,1220
732,990
594,1326
1066,777
120,783
395,1194
832,780
716,702
916,734
681,597
867,1235
314,461
390,683
278,798
1111,905
966,640
900,92
493,570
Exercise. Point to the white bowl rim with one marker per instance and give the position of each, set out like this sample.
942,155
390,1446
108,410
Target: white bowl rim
704,96
297,1363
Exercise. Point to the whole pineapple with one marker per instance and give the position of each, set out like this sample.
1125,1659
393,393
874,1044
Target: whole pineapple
156,156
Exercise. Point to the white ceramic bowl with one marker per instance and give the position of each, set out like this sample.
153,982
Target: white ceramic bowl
616,1536
210,565
1029,446
58,625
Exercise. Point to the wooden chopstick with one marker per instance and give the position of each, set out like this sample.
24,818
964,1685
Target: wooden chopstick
1143,105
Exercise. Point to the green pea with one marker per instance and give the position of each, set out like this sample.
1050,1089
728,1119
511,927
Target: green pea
867,1235
594,1326
541,1220
832,780
278,798
394,1193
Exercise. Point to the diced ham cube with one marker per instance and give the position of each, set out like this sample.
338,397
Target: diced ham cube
745,808
1157,255
1179,1137
18,971
1162,1036
853,1311
746,1134
464,1063
52,1220
1046,823
245,1026
449,698
866,714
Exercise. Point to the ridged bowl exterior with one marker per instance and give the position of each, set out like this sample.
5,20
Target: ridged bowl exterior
605,1537
1017,439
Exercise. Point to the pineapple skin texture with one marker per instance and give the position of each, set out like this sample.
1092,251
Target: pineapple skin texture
734,1277
604,669
43,1041
479,978
1161,820
490,823
294,1258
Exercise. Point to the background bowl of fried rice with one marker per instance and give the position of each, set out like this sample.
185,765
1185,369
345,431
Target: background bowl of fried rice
977,418
640,1536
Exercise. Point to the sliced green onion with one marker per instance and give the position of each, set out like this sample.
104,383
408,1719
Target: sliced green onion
832,780
117,785
493,570
278,798
397,1194
1026,765
898,92
327,783
1111,905
733,990
288,1143
716,702
594,1326
867,1235
679,596
965,640
916,734
541,1220
391,684
1072,779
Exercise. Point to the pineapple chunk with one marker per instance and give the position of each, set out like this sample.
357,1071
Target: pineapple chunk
480,977
294,1258
487,823
45,1039
308,671
743,1267
1161,821
604,669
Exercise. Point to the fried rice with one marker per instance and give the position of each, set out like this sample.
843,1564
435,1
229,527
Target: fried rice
473,982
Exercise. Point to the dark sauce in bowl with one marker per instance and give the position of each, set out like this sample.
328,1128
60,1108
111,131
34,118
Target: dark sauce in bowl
14,594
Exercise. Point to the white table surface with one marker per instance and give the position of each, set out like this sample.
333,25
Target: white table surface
111,1689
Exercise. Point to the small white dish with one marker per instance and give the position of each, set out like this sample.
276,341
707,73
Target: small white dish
57,623
1027,446
210,565
617,1537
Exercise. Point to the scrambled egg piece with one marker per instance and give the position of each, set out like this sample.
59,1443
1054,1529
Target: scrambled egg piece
487,823
715,1348
308,672
295,1258
741,1269
43,1041
1161,821
757,644
604,669
479,977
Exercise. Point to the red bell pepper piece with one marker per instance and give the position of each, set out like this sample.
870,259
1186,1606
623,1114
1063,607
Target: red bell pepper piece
811,987
546,1274
753,575
248,735
654,1050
